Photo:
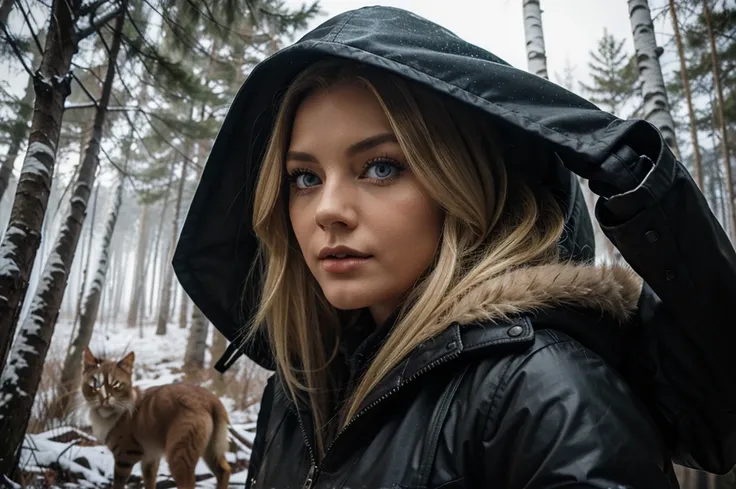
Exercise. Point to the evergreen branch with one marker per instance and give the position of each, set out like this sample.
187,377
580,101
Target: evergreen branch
95,26
28,23
14,45
153,127
209,15
13,98
211,18
177,28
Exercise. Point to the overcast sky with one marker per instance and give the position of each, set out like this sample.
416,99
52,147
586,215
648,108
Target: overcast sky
571,27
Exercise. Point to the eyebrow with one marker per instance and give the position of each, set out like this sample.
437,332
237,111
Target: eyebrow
352,150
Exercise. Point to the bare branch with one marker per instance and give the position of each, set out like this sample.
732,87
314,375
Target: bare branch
92,8
90,105
81,85
11,41
30,28
95,26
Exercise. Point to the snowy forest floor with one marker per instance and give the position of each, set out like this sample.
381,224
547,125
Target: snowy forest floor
63,453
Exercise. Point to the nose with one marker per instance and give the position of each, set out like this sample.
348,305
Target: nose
337,207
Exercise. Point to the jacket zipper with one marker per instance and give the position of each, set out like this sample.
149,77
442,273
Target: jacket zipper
315,468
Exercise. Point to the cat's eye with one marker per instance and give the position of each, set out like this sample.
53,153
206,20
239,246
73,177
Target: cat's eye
93,383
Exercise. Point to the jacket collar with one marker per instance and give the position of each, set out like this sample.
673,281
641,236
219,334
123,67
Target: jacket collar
584,301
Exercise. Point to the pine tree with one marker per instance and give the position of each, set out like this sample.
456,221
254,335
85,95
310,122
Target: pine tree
614,75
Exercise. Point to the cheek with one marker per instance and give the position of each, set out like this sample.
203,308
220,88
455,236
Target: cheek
302,222
409,232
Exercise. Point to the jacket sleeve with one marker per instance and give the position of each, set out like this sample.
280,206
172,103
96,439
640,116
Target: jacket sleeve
259,443
562,419
659,220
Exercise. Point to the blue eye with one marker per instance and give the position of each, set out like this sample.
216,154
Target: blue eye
380,170
303,179
383,169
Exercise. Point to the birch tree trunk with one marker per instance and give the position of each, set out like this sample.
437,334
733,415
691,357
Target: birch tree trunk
217,350
22,374
140,268
197,341
17,136
84,262
19,130
535,52
716,68
656,105
20,243
184,309
165,305
157,245
122,267
70,374
688,96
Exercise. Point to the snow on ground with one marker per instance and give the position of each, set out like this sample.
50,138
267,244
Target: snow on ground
76,457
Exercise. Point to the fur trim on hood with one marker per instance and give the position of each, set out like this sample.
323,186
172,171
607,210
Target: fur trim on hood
610,290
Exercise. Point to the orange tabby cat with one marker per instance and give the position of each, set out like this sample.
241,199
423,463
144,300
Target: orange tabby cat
182,422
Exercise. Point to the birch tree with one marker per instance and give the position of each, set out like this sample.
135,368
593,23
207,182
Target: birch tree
656,105
20,379
70,374
165,305
197,341
535,52
139,268
51,85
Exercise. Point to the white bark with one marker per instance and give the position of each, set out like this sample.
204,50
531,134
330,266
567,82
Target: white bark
139,269
656,105
73,363
197,342
535,51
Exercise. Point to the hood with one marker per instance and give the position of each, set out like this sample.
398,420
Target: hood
541,124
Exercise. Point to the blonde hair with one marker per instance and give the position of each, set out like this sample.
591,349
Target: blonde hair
493,223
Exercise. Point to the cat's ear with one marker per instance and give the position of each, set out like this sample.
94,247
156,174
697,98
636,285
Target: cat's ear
127,362
90,361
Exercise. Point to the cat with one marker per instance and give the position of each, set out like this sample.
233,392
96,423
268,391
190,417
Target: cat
182,422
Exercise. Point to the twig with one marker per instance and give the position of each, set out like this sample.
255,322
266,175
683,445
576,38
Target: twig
17,52
84,89
30,28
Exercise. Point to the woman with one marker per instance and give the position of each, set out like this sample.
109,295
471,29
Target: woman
423,285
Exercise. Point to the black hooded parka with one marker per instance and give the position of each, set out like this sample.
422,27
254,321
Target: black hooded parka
560,397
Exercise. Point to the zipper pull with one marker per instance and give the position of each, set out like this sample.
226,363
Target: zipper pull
311,477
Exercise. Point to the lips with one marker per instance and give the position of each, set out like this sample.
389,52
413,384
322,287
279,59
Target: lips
340,252
341,259
343,265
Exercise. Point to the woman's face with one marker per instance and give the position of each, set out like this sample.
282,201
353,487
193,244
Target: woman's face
365,226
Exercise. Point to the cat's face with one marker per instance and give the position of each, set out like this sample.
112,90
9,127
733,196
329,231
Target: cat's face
107,386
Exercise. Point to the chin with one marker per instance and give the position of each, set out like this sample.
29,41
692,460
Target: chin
352,296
